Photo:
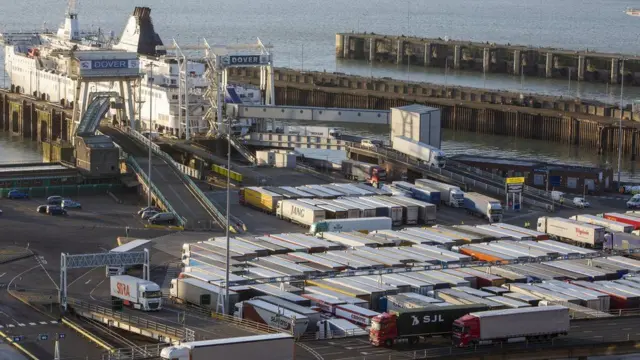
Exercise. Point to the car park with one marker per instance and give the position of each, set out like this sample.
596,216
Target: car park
17,194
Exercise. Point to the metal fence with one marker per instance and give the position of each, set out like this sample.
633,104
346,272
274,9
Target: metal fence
139,352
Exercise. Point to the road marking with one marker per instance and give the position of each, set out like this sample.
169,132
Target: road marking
32,323
626,329
21,324
11,325
3,274
43,322
587,331
54,321
88,281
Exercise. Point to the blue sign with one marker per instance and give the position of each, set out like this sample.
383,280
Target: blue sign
555,180
245,60
61,336
43,337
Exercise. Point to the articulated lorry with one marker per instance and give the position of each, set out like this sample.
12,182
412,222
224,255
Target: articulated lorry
198,292
450,195
510,324
361,171
265,313
137,293
279,347
483,206
260,199
412,324
346,225
429,155
573,231
429,195
299,212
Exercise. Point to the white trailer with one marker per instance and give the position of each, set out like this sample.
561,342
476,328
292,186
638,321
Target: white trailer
600,221
348,225
280,347
135,292
394,211
299,212
198,292
574,231
411,211
365,210
484,206
450,195
429,155
131,246
265,313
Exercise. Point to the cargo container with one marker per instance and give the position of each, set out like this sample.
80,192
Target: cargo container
483,206
429,155
347,225
365,210
373,190
330,193
355,314
621,241
311,290
410,211
393,211
429,195
318,194
395,191
260,199
529,299
131,246
511,303
353,211
361,171
606,223
197,292
338,328
426,211
313,315
299,193
450,195
286,194
507,233
299,212
506,325
323,302
624,218
538,235
281,347
573,231
334,212
389,328
272,315
137,293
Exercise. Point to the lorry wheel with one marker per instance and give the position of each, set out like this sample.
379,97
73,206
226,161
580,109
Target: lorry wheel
388,343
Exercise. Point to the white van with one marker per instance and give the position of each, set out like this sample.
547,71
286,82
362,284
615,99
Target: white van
366,143
557,195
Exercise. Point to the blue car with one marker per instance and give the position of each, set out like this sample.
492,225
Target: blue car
17,194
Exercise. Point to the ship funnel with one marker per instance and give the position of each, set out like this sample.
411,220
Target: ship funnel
139,34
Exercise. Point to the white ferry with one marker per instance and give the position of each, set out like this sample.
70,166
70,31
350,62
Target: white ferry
37,64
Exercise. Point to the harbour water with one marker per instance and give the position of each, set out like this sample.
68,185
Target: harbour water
303,35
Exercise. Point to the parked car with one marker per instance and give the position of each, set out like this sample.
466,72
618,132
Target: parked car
56,210
148,214
634,202
162,219
0,211
148,208
581,202
42,209
54,200
17,194
70,204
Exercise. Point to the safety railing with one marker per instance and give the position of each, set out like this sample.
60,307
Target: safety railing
446,174
174,333
217,215
140,352
243,150
249,325
138,170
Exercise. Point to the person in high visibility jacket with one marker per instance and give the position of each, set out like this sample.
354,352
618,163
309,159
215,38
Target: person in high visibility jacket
527,224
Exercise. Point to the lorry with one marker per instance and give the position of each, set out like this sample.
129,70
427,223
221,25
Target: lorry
483,206
600,221
265,313
137,293
427,154
260,199
624,218
299,212
412,324
410,211
281,347
429,195
197,292
510,324
450,195
346,225
573,231
361,171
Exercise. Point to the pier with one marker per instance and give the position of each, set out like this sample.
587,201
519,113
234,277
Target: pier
581,65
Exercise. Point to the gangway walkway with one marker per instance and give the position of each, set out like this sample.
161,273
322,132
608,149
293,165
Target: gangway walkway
97,108
169,182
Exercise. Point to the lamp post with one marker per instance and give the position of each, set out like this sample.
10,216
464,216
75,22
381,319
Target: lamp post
620,122
150,83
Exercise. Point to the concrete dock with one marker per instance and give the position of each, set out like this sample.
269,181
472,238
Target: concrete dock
582,65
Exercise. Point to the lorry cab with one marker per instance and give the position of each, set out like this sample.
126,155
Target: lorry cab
465,331
495,212
438,159
383,330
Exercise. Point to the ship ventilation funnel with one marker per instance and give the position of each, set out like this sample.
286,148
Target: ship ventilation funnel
139,35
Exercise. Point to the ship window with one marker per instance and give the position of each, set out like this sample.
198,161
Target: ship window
174,97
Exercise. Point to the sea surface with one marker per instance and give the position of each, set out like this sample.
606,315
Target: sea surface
303,35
